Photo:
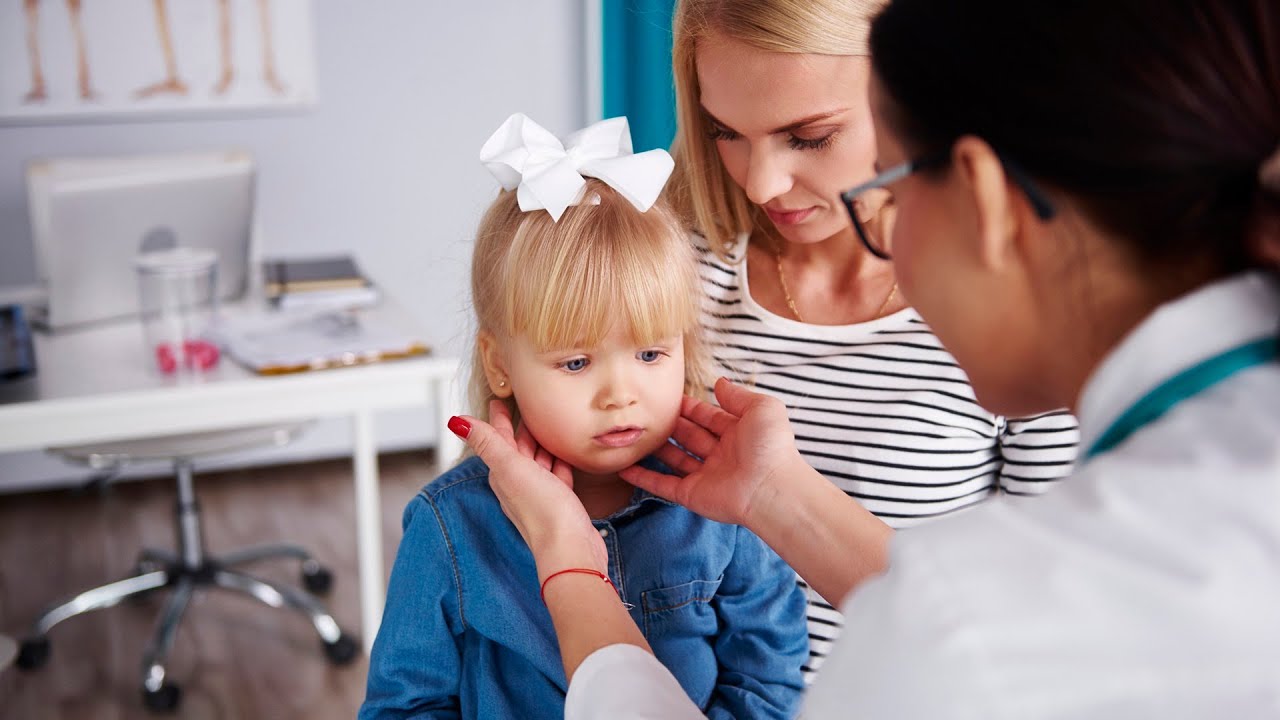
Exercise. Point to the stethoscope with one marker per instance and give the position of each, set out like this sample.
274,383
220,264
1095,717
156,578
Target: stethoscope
1184,385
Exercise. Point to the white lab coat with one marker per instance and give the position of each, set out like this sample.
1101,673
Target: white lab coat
1146,585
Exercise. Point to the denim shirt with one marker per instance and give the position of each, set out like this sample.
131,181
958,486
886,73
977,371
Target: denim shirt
465,635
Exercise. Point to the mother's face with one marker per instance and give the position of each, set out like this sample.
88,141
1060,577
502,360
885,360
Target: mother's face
792,130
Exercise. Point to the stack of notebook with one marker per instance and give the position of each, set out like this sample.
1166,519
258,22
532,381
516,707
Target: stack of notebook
321,282
272,343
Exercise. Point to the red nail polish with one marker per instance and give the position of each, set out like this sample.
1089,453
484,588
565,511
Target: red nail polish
459,427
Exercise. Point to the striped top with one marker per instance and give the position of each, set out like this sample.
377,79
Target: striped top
881,410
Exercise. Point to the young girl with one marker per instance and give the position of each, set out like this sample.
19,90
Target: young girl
588,332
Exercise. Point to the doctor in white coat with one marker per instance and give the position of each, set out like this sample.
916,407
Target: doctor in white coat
1088,215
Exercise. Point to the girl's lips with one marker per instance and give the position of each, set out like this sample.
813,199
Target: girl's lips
619,437
788,217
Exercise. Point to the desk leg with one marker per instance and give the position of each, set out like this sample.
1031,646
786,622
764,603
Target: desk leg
368,526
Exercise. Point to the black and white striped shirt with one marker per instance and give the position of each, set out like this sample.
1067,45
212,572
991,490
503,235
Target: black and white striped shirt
881,410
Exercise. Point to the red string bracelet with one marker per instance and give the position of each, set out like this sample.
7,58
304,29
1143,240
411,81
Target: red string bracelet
585,571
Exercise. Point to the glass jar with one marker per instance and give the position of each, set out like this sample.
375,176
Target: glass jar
177,293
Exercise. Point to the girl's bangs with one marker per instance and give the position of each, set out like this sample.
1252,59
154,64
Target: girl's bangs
572,298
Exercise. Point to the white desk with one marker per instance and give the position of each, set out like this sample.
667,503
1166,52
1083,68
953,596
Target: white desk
94,385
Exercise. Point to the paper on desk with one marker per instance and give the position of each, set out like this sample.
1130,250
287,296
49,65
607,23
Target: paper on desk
273,343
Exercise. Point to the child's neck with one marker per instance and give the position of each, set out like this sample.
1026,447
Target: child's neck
602,495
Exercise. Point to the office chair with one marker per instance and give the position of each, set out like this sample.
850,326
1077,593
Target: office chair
190,567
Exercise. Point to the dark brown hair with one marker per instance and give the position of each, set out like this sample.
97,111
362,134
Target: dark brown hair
1155,116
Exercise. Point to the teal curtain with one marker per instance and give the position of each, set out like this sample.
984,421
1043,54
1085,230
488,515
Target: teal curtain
636,42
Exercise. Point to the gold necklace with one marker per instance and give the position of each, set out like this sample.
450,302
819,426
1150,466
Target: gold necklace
791,304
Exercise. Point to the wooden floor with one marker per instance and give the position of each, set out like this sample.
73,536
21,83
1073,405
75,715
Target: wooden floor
233,658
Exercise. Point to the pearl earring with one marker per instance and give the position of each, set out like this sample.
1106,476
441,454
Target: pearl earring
502,383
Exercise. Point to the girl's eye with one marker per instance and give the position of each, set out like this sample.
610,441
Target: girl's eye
799,143
718,132
649,356
574,365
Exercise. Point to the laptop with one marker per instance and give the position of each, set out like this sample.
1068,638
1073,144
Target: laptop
91,217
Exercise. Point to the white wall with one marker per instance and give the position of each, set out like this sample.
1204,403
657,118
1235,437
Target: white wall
384,166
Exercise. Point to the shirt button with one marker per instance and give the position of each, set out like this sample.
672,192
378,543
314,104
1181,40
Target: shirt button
604,532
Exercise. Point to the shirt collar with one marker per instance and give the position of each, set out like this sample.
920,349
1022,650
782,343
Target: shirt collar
638,499
1176,336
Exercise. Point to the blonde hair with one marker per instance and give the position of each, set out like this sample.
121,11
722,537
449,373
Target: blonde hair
701,190
564,284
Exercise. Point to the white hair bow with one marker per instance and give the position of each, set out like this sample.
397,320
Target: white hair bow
548,174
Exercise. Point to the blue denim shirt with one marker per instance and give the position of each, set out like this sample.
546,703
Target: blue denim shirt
465,635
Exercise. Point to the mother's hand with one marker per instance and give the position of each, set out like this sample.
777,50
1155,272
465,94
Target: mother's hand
744,450
535,490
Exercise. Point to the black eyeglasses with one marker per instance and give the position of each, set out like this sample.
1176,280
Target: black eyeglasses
1039,201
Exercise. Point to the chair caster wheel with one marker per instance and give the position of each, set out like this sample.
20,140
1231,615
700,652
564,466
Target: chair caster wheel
32,653
317,581
341,651
163,700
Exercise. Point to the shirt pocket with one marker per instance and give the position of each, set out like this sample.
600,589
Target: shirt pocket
681,610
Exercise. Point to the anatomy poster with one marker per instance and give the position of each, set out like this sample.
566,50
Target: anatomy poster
110,59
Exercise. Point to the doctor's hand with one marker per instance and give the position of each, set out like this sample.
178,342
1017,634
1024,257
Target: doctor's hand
744,450
535,490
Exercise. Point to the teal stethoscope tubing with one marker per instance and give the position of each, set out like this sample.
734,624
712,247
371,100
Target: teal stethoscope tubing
1184,385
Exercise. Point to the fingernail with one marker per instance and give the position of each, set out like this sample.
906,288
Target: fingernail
459,427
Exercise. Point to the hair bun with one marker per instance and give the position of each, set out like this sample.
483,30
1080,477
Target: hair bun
1269,173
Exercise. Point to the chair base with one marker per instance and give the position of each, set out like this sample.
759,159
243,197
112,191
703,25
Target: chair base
183,572
157,570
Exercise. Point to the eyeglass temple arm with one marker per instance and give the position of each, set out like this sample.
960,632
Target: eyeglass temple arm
892,175
1039,202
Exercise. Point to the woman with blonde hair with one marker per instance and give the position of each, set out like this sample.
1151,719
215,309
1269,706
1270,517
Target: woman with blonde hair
774,123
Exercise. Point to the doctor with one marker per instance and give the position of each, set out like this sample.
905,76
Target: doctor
1093,188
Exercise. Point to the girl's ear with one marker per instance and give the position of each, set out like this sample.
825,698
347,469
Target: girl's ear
495,369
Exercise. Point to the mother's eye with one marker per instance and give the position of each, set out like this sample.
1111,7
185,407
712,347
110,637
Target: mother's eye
796,142
719,132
